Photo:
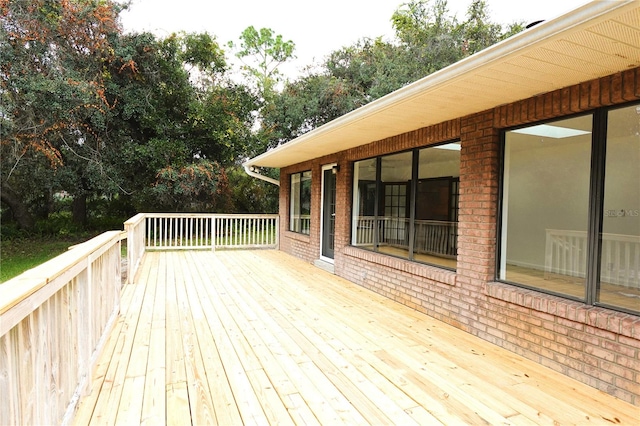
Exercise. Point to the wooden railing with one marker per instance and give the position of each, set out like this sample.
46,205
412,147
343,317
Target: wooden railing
54,320
364,229
431,237
135,229
194,231
566,254
436,237
300,223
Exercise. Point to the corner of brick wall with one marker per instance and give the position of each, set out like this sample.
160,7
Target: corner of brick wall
593,345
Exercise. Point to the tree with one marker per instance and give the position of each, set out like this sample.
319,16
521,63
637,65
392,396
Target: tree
428,38
200,116
306,104
52,87
199,186
428,34
98,114
262,53
478,32
251,195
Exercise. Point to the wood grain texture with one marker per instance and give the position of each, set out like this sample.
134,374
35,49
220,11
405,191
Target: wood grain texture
239,337
54,320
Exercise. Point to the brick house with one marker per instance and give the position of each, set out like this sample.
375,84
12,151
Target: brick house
500,195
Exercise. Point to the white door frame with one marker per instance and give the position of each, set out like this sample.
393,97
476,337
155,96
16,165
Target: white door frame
324,168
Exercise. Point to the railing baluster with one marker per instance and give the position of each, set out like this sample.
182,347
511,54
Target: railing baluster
243,231
56,325
195,241
174,231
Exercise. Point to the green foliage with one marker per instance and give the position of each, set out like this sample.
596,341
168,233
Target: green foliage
21,254
221,124
201,186
478,32
203,52
306,104
52,88
251,195
99,115
170,126
428,39
262,52
123,122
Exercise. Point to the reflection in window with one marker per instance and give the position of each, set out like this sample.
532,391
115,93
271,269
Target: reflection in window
549,193
364,203
436,216
393,218
300,203
545,206
620,246
384,188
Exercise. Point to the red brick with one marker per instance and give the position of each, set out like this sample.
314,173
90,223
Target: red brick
563,334
600,374
605,91
632,387
600,353
631,342
629,85
565,101
616,89
594,94
575,99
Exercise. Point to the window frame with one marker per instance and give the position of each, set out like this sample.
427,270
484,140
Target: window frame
411,194
292,220
596,197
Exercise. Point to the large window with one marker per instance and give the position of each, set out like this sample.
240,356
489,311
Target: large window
570,208
300,202
406,204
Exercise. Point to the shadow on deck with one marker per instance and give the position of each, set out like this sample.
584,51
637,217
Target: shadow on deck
242,337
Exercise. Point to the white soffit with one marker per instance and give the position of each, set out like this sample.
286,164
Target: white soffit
592,41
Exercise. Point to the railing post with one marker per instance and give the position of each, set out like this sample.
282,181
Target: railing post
214,228
136,231
54,322
192,231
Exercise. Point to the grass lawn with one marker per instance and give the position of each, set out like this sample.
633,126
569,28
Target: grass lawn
19,255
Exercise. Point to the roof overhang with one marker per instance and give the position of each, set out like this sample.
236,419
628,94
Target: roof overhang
595,40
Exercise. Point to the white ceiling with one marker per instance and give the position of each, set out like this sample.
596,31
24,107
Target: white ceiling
595,40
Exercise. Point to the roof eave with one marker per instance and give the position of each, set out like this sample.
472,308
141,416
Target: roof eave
586,15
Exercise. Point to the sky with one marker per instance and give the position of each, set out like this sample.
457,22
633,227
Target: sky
316,27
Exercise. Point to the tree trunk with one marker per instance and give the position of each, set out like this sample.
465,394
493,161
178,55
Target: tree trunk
18,208
79,210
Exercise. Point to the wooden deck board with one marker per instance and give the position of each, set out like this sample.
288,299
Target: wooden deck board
258,337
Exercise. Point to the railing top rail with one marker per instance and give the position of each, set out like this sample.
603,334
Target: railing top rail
246,216
204,215
605,236
436,222
444,222
24,285
135,219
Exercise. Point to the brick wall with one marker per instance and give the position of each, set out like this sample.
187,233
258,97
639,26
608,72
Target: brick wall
596,346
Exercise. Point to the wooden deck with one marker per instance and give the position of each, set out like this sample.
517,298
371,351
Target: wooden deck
258,337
